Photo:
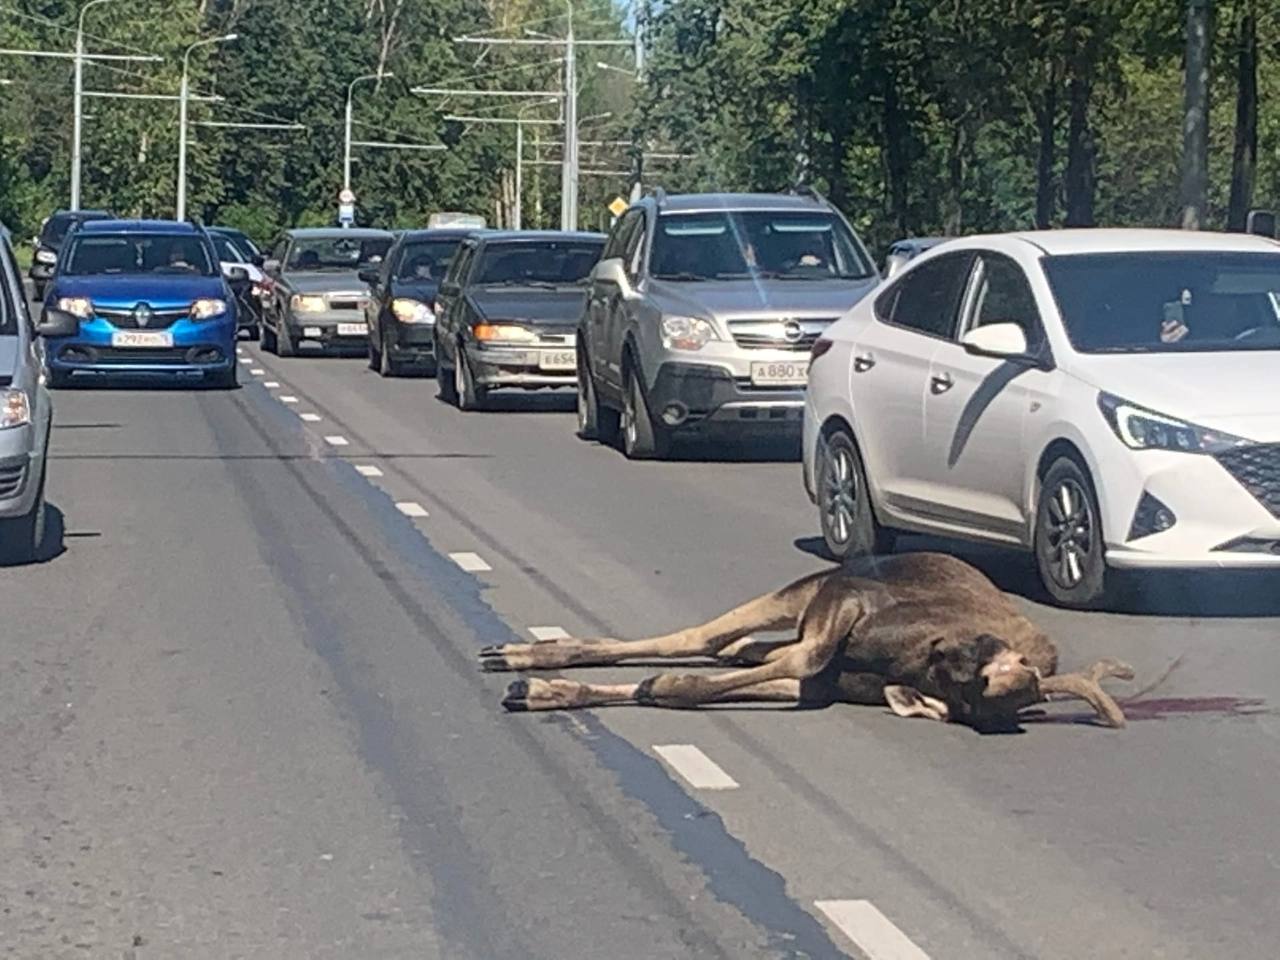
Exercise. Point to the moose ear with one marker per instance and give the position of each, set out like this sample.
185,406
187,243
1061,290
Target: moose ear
936,653
910,702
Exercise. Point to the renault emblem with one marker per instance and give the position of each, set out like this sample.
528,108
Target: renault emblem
792,331
142,315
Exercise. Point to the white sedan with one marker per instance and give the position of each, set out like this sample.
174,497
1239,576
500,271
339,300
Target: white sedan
1101,398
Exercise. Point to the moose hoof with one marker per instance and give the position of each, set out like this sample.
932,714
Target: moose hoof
494,659
533,694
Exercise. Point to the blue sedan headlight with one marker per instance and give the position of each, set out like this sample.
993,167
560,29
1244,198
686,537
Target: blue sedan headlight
206,308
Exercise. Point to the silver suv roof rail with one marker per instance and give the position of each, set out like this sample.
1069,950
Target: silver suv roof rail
659,195
804,190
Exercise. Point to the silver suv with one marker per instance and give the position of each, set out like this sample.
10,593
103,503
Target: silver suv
702,311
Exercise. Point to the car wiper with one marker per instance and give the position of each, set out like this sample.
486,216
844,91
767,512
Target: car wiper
539,284
682,276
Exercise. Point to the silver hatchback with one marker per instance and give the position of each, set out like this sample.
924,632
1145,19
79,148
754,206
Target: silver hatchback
702,311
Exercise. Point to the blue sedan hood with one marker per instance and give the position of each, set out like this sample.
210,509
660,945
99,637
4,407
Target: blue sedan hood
160,291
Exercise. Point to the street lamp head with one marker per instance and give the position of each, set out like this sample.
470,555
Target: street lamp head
229,37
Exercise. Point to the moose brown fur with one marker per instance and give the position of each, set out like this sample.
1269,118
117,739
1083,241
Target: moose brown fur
925,633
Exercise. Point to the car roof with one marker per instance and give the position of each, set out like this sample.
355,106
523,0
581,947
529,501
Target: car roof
238,232
75,214
1130,240
175,227
505,236
363,233
707,202
439,233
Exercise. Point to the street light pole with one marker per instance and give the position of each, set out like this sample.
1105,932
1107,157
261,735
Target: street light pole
346,140
569,168
77,126
183,95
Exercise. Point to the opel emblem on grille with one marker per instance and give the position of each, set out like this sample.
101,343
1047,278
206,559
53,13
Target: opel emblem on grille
792,331
142,315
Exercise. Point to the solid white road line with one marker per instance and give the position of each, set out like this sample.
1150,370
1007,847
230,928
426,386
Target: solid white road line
872,932
310,417
411,509
270,384
470,562
549,633
696,767
257,371
365,470
287,399
336,441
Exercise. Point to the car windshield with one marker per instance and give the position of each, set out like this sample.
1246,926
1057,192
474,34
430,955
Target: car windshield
55,229
139,253
558,262
426,260
236,241
1168,302
727,245
337,252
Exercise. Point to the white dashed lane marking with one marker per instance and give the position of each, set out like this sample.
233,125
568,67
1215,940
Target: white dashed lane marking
549,633
872,932
411,509
287,399
696,767
470,562
336,441
270,384
246,361
310,417
257,371
365,470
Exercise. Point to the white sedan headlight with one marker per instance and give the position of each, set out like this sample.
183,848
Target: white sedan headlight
307,303
208,307
15,409
408,310
46,256
686,333
81,307
1142,429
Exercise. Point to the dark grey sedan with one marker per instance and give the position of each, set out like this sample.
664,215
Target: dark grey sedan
314,292
508,310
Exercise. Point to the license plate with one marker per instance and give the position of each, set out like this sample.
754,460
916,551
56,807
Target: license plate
141,338
312,333
352,330
783,373
558,360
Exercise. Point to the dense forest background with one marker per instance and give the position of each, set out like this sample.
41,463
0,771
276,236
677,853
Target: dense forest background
915,116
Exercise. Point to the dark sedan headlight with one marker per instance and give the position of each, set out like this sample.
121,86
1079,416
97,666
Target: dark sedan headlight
408,310
46,257
503,333
307,303
1142,429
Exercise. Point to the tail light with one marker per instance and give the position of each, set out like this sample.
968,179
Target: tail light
820,346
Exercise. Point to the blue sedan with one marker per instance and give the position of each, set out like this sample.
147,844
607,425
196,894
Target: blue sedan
149,297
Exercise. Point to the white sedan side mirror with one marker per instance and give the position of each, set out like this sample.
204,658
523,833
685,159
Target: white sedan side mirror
1005,340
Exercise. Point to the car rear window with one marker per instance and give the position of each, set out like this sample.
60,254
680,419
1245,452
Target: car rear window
138,253
55,230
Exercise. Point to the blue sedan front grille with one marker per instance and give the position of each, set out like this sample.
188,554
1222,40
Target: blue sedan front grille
125,319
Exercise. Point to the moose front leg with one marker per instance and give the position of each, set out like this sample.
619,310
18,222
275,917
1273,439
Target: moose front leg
774,611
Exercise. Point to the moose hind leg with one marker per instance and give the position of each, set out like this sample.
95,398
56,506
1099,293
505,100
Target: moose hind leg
774,611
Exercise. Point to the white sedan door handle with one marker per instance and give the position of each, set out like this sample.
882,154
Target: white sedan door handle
942,382
863,362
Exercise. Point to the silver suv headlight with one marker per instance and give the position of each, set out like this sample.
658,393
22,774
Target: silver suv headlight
15,409
1142,429
686,333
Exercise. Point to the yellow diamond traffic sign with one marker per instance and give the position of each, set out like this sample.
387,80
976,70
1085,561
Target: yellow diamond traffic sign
618,207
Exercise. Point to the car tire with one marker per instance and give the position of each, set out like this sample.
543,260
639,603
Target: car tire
386,366
285,346
375,357
1069,549
228,379
268,338
595,420
37,290
255,332
845,511
22,538
642,438
444,376
469,394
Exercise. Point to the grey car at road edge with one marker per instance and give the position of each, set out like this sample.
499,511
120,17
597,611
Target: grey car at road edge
508,309
702,311
314,292
26,414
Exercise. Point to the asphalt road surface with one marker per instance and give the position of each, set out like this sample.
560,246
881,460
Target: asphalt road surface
240,715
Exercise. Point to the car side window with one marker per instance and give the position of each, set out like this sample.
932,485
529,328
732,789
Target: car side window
1003,295
927,298
633,249
13,301
458,268
622,230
